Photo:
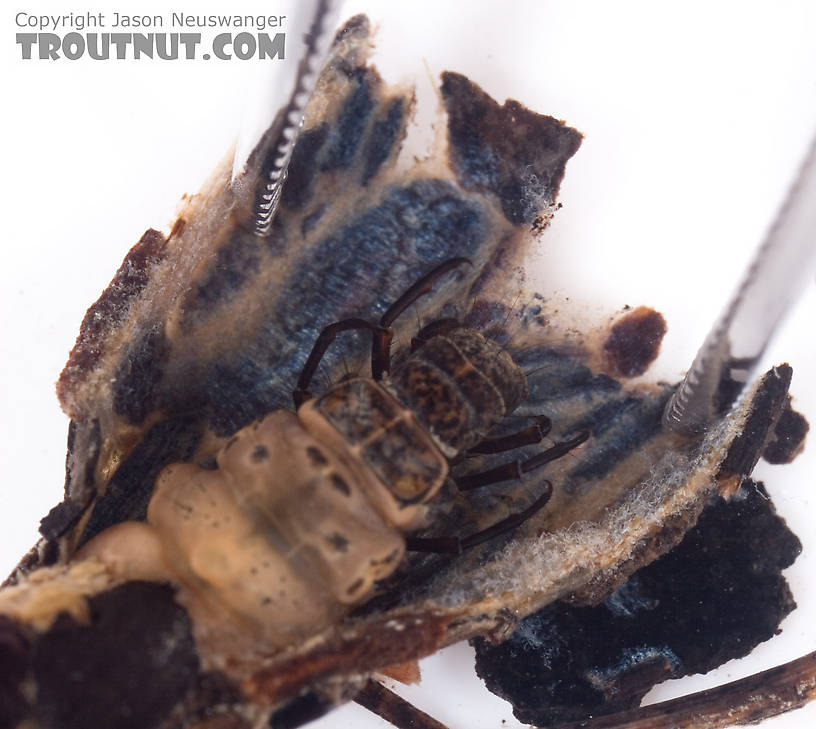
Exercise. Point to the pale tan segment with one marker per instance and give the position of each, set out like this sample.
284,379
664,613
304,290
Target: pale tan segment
281,531
223,554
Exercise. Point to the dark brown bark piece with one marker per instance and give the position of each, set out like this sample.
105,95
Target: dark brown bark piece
634,342
769,403
515,153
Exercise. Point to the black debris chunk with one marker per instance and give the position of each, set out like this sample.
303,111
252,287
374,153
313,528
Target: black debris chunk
305,708
126,668
788,436
61,518
14,662
713,598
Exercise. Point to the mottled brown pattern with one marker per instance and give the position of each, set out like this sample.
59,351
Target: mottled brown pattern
215,325
435,400
460,385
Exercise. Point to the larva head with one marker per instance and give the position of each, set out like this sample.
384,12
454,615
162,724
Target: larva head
460,385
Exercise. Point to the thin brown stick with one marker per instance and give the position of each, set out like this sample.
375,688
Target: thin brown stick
745,701
394,709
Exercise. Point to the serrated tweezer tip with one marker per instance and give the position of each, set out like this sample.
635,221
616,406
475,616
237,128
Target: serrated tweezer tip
773,281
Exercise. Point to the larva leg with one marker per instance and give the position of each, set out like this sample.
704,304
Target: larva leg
531,435
515,470
456,545
381,350
434,329
303,390
382,334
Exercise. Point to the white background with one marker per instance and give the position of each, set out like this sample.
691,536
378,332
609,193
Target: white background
695,116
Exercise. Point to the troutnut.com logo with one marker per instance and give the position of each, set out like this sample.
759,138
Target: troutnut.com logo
77,35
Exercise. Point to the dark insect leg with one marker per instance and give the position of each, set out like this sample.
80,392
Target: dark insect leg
456,545
382,333
434,329
420,288
381,349
515,470
303,391
529,436
394,709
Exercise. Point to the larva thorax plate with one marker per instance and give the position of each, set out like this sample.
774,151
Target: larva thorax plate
360,419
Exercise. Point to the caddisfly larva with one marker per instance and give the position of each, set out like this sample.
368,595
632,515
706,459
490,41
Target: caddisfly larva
306,511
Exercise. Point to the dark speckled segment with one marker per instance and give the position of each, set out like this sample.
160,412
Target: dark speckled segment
236,262
456,384
397,450
435,399
480,399
381,140
494,363
347,134
515,153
